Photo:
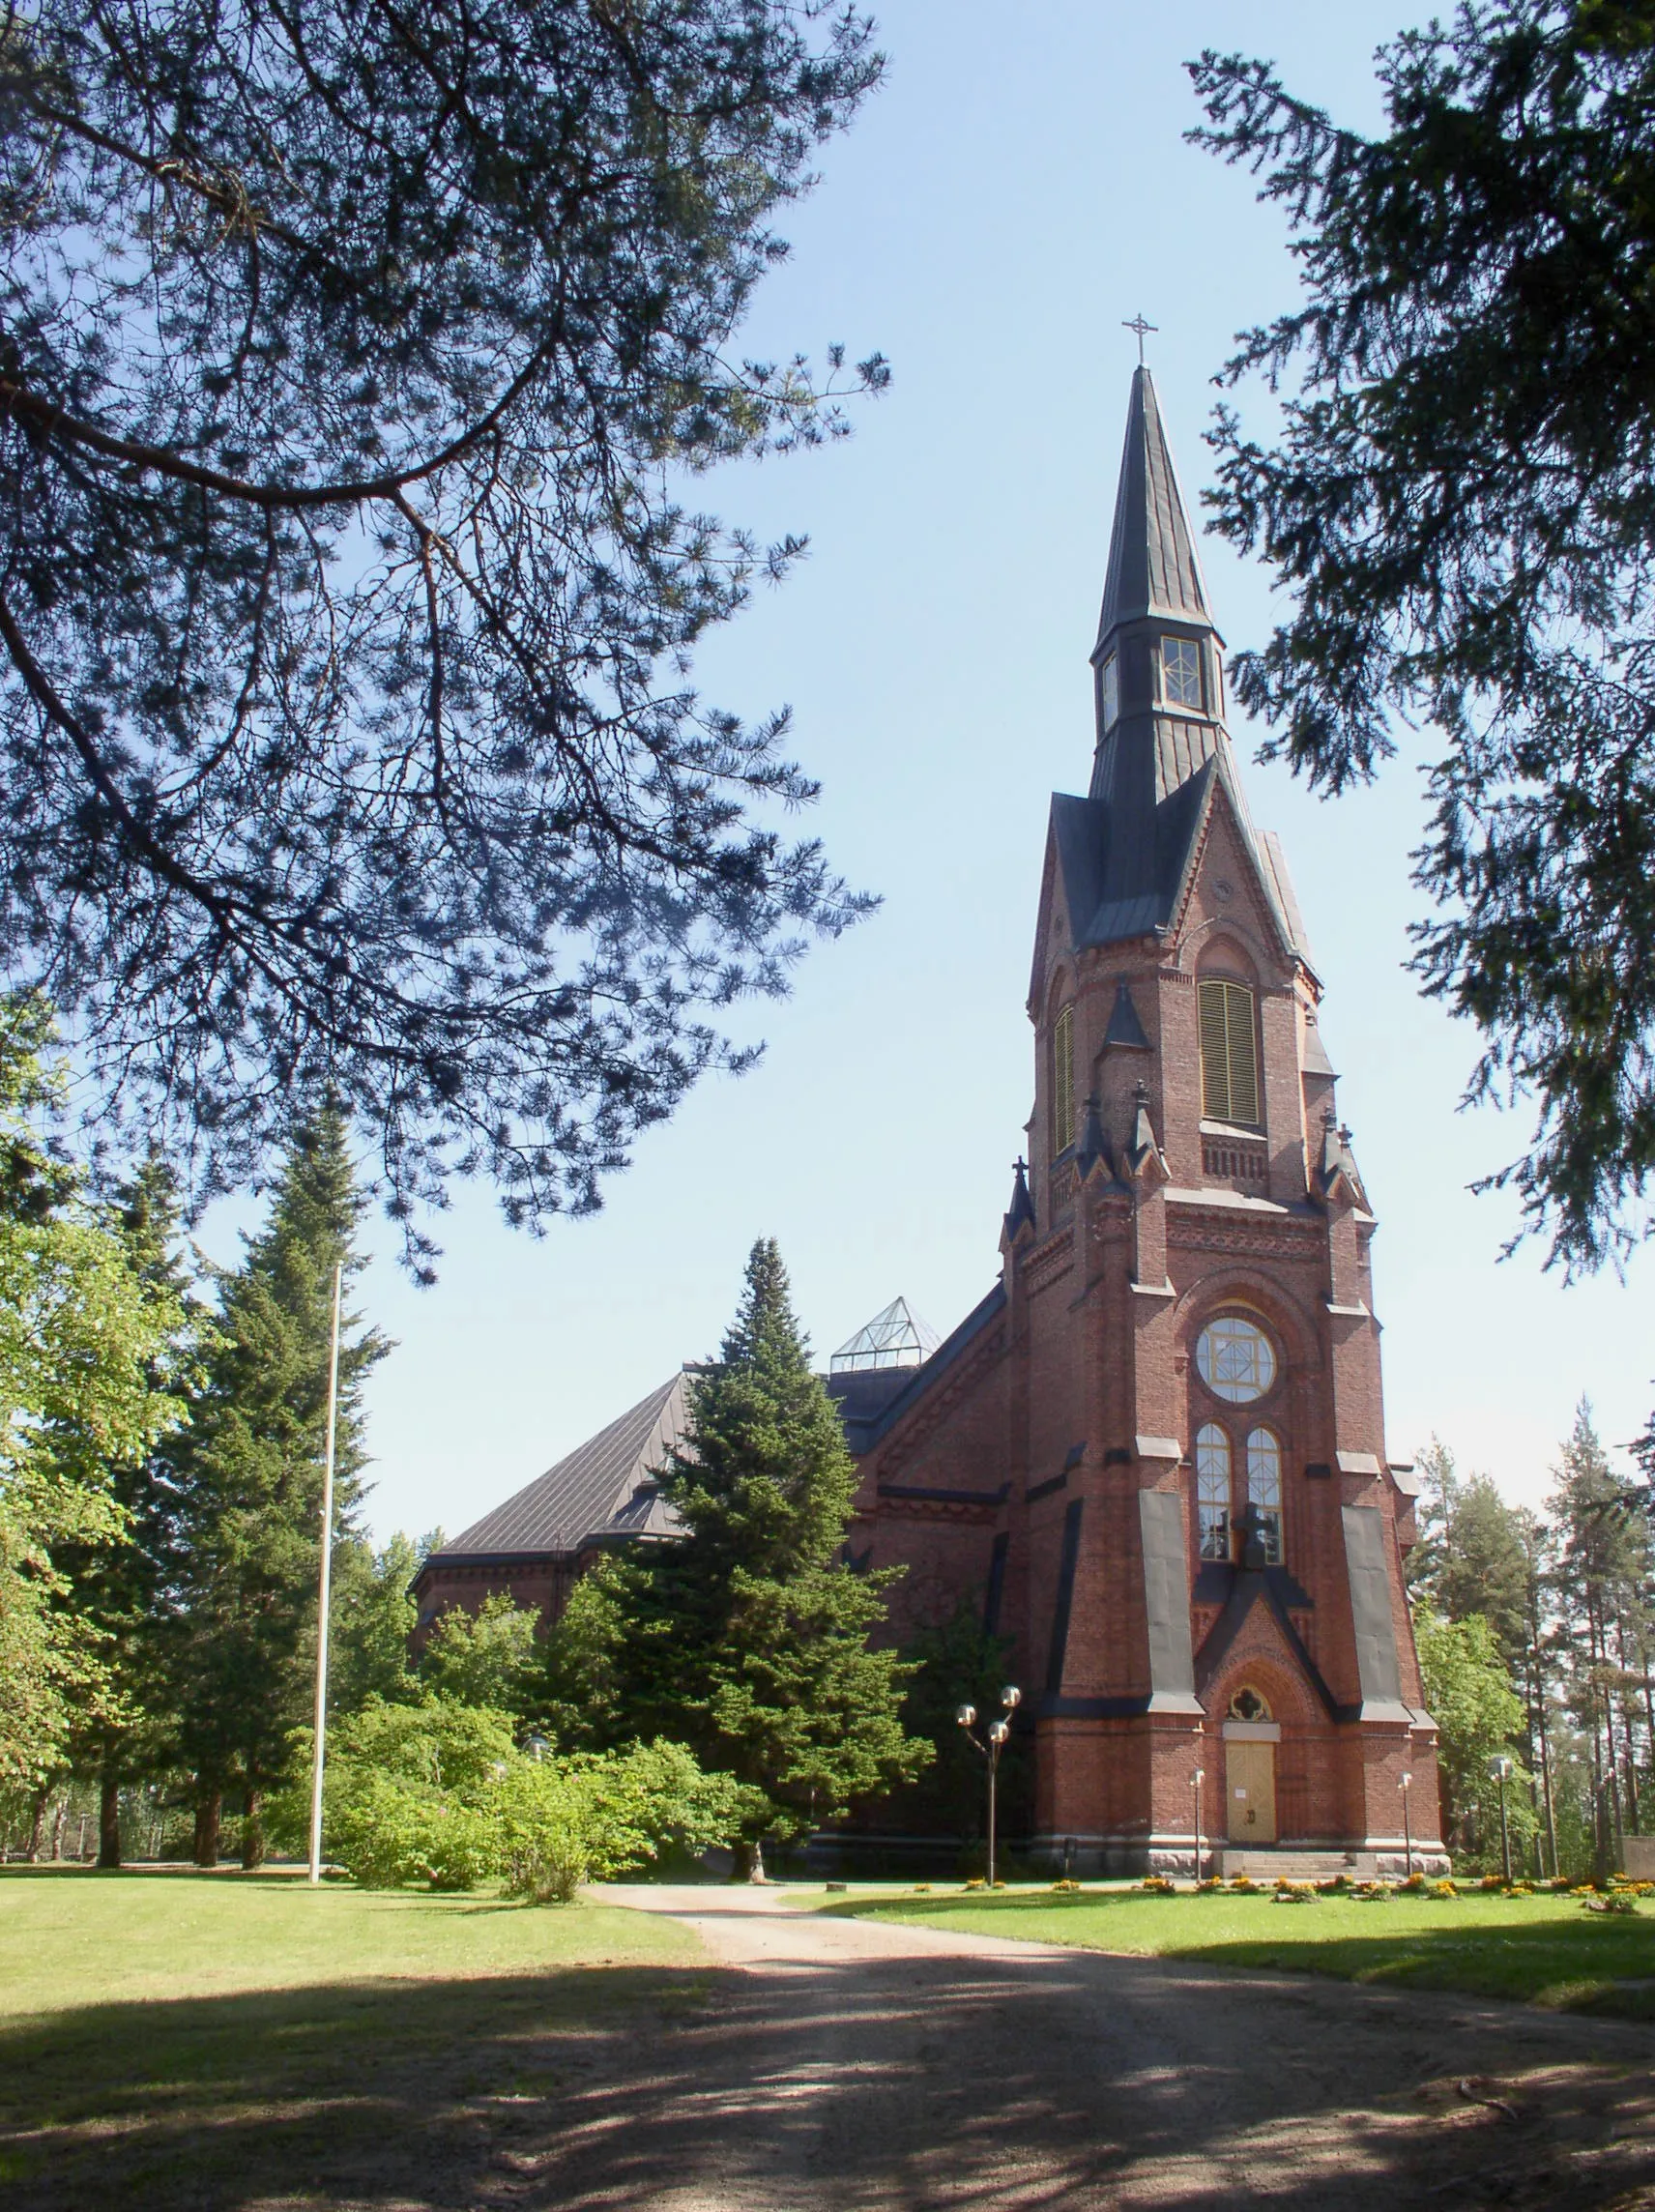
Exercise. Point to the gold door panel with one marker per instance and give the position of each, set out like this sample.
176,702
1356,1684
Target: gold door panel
1250,1792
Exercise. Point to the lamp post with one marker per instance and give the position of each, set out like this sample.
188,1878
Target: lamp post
1196,1781
1405,1786
1011,1697
1500,1770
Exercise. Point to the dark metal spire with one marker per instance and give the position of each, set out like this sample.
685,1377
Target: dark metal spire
1154,569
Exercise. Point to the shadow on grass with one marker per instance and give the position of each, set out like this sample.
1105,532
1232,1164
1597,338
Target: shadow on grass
1049,2082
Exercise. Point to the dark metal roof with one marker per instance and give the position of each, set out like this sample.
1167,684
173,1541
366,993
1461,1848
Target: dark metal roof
1154,569
604,1482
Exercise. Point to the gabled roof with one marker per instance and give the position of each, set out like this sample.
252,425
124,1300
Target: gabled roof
1105,910
604,1484
1154,569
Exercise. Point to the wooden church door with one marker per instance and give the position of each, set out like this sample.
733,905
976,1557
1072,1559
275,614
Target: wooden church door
1250,1786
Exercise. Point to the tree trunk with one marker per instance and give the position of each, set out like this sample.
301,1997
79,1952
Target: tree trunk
252,1831
209,1813
109,1820
37,1827
58,1820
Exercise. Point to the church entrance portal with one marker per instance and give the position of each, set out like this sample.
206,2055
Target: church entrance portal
1250,1769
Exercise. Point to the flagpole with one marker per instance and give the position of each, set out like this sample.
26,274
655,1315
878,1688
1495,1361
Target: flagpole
326,1587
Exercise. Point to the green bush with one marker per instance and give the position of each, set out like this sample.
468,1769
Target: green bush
591,1817
436,1791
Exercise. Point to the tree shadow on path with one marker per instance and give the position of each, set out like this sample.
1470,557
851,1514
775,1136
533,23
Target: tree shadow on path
1001,2085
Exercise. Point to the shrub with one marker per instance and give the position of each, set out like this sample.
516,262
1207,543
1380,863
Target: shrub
591,1818
1064,1887
1294,1893
1157,1884
1213,1884
437,1792
1242,1886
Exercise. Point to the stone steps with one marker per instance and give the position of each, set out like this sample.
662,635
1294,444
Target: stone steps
1268,1866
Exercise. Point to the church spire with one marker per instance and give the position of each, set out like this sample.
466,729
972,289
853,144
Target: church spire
1153,568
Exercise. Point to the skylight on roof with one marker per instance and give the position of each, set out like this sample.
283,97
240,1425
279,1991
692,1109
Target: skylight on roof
894,1338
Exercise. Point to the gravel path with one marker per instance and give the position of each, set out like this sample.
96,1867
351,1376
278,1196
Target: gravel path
850,2064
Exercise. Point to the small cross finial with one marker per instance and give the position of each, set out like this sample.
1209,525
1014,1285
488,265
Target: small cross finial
1142,328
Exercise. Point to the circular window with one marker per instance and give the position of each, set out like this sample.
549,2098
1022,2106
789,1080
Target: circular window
1234,1359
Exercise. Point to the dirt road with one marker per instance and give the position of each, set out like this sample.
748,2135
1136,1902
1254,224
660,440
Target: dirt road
849,2065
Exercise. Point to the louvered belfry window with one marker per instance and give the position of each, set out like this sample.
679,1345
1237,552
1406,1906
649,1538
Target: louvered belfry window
1229,1053
1063,1081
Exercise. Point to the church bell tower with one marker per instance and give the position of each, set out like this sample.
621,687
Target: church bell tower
1157,1448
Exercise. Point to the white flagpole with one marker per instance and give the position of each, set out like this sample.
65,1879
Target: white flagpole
325,1587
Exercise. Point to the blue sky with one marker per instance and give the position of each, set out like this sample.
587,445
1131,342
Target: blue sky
1019,186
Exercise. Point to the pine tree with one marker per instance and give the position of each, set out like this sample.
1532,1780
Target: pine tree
747,1638
1471,1556
252,1484
1599,1588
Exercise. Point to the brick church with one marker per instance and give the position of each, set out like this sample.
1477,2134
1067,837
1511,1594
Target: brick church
1154,1453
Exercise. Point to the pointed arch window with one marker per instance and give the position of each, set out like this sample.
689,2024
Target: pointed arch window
1063,1081
1229,1052
1213,1491
1264,1492
1180,671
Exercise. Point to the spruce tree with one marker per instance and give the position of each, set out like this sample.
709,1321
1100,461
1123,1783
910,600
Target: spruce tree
252,1484
747,1638
122,1589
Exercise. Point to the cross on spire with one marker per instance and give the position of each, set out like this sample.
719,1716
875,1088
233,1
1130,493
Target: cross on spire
1142,328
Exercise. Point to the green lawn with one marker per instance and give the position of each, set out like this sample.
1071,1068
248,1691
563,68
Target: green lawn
173,2039
1545,1950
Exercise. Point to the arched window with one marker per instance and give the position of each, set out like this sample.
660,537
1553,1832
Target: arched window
1236,1360
1229,1052
1264,1492
1063,1081
1213,1491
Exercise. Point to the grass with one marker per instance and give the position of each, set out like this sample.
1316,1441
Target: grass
1542,1950
171,2039
69,1937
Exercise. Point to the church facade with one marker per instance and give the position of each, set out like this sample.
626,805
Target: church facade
1154,1454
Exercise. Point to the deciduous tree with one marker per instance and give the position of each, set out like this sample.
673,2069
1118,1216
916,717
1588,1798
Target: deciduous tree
84,1332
